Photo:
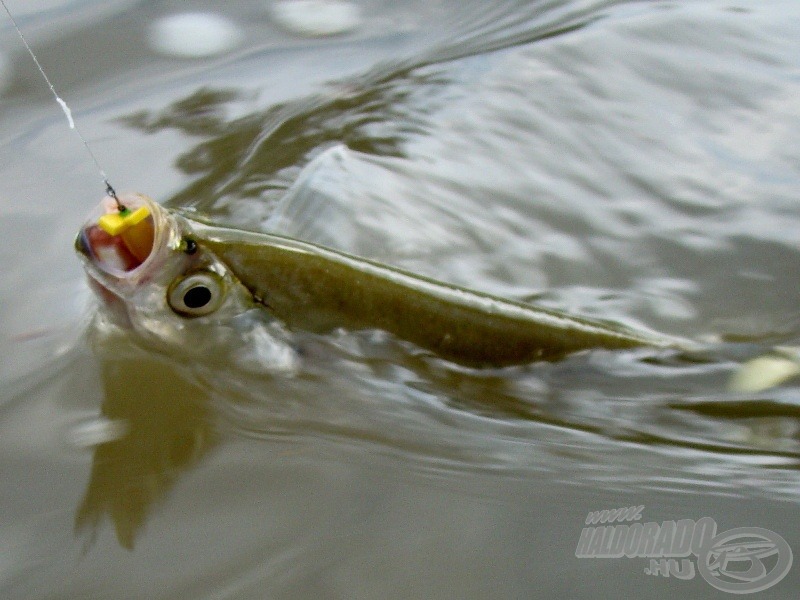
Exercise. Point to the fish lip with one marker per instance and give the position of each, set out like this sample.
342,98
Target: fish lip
82,246
121,282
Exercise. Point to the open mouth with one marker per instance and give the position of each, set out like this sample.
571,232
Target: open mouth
119,241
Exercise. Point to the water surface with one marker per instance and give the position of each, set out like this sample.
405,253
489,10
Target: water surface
632,161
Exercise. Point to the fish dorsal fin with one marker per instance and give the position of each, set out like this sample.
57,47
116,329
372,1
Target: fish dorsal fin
347,200
314,209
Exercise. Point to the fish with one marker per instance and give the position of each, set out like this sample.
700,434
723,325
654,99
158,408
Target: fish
179,281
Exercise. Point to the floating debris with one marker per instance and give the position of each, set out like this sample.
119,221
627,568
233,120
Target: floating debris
67,112
316,18
767,371
194,35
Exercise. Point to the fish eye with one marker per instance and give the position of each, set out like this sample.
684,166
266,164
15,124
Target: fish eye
196,294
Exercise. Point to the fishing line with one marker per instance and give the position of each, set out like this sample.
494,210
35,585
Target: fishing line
67,113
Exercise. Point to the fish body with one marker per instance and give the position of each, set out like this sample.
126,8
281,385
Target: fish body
308,287
313,288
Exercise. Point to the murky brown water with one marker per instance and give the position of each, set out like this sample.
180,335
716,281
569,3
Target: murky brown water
633,161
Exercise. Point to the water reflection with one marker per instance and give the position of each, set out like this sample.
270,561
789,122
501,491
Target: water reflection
257,156
168,431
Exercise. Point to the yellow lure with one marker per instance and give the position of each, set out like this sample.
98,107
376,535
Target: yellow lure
116,223
133,228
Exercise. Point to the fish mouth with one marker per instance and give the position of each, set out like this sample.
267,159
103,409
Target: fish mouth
120,243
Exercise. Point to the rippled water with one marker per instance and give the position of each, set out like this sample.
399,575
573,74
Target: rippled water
632,161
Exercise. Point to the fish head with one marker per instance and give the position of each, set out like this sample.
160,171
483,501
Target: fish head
154,280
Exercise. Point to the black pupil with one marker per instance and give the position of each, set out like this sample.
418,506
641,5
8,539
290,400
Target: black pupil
197,297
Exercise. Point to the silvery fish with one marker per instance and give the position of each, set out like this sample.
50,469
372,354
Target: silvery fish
180,283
